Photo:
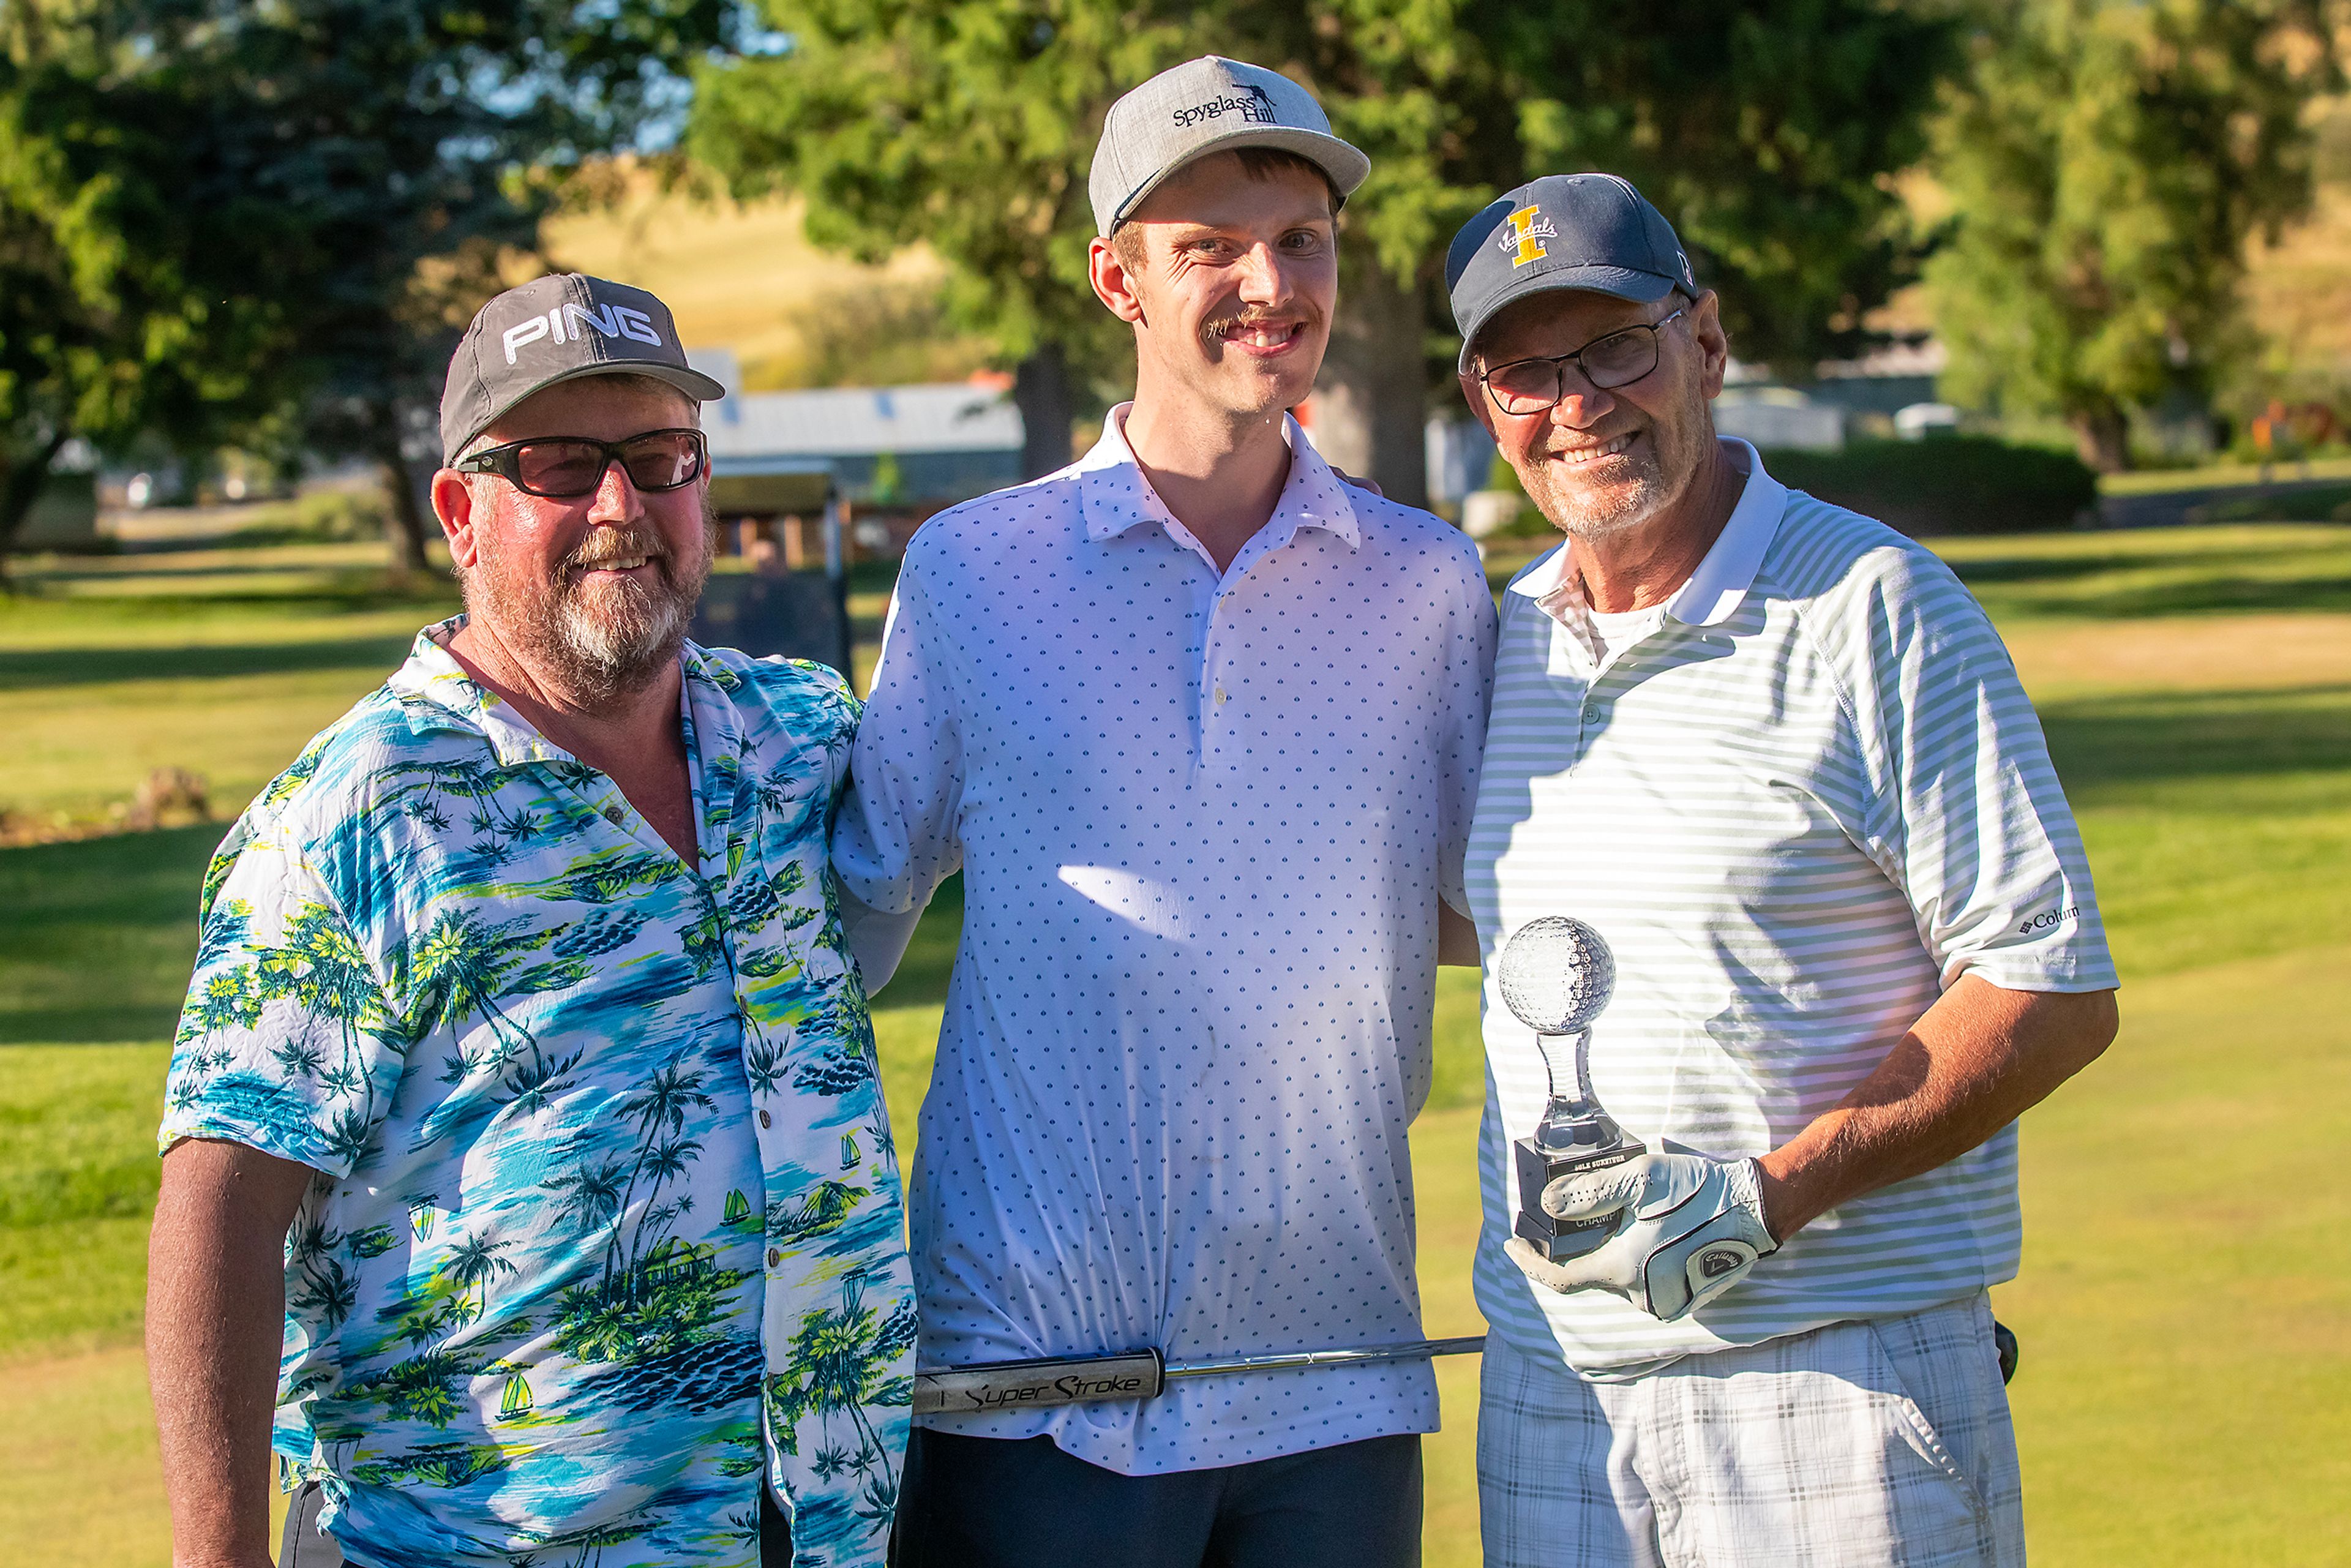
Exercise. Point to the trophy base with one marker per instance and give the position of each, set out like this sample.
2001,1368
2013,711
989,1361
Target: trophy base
1560,1239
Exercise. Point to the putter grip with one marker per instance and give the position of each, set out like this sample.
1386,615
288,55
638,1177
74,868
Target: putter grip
1033,1384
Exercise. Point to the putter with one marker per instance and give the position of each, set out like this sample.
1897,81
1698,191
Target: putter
1137,1375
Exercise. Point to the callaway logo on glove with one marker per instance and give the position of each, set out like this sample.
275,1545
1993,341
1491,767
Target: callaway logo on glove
1688,1229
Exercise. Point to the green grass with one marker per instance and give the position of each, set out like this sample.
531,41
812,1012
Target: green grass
221,661
2218,475
77,1173
2185,1301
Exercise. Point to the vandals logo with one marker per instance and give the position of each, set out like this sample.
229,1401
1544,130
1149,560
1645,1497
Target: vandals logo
1523,233
1257,108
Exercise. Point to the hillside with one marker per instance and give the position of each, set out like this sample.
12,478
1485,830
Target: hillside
744,277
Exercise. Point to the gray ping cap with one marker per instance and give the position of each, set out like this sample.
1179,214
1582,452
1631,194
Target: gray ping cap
1208,105
558,328
1593,232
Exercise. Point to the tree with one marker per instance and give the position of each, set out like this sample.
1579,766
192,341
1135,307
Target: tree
119,307
2107,162
386,164
1765,129
411,152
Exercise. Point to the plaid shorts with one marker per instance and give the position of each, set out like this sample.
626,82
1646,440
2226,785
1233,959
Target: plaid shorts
1878,1442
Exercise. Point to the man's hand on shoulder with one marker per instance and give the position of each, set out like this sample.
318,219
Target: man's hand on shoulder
1689,1226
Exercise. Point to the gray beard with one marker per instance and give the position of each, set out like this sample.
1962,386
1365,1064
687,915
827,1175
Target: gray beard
1574,514
594,652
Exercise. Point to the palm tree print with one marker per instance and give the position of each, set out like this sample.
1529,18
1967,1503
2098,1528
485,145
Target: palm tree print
474,1262
429,967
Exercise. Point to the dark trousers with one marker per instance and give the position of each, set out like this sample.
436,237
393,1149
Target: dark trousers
305,1545
994,1502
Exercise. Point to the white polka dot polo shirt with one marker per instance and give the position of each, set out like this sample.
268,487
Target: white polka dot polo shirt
1204,821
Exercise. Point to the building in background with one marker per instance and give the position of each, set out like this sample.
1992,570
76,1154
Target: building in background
896,455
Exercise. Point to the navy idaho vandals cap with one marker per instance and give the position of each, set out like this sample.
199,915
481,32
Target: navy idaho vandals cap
558,328
1591,232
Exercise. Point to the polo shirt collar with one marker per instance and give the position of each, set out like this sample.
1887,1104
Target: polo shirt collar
1115,498
1721,580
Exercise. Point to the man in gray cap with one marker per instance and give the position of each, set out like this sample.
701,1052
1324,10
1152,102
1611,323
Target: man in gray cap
521,1029
1775,754
1200,723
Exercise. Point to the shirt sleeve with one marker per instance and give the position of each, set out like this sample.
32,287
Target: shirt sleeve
898,835
1469,693
1965,812
287,1043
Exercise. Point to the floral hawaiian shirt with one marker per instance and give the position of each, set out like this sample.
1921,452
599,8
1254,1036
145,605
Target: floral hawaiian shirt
607,1223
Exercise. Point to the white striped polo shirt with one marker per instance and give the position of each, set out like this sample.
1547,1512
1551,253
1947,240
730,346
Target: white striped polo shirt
1808,799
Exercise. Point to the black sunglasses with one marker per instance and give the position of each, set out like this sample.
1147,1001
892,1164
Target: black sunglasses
564,467
1618,360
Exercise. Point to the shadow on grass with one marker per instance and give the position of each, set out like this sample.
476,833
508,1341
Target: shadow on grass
97,937
2200,596
2185,582
306,590
2039,569
26,669
2176,736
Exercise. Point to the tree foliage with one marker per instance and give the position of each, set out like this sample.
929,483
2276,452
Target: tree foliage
1763,129
2107,161
120,309
387,162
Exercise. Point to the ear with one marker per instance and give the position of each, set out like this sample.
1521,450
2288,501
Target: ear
1714,344
1481,407
1111,285
453,502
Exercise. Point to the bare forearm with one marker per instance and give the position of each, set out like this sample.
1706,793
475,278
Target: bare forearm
215,1314
1978,1060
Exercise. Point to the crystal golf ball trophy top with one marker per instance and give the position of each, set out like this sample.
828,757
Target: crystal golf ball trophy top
1556,975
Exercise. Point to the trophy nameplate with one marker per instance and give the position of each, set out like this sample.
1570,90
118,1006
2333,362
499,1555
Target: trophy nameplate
1556,975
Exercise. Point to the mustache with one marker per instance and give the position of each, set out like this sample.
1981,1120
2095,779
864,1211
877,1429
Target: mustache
1249,320
604,545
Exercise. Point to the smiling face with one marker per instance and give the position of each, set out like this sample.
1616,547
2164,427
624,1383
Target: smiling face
1603,463
1229,274
594,591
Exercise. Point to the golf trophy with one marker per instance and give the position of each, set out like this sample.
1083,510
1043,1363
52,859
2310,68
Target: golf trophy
1556,975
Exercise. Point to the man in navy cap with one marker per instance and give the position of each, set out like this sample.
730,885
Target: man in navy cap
1775,754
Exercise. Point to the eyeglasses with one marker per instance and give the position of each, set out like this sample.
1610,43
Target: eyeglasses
564,467
1618,360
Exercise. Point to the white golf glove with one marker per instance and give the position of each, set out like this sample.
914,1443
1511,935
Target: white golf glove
1689,1228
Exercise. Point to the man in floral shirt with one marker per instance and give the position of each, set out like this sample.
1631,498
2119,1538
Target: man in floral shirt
523,1031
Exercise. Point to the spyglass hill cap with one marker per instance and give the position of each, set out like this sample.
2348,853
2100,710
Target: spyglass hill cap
558,328
1208,105
1591,232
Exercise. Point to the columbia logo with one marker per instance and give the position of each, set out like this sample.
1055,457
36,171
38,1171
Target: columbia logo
2048,920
